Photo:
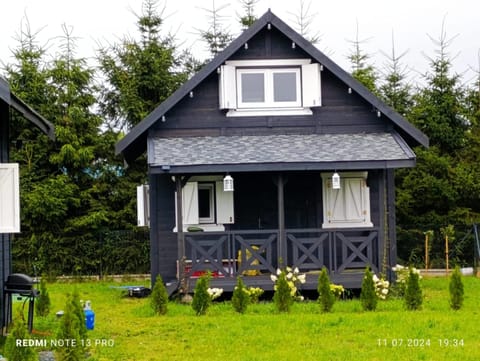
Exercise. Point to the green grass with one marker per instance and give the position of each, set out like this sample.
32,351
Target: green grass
348,333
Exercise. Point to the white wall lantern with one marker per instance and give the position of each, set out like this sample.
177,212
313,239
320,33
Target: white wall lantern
228,183
335,181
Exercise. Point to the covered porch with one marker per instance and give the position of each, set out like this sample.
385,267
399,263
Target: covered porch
256,254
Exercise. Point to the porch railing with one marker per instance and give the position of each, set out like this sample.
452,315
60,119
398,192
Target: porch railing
252,252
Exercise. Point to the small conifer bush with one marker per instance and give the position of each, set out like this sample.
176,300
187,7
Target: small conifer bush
326,297
240,297
413,292
42,306
19,331
368,295
283,297
456,289
201,298
159,297
72,327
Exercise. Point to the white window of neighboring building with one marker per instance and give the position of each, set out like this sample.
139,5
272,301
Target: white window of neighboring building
348,206
269,87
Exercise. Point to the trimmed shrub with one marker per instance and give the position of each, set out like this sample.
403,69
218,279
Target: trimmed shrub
283,297
240,297
413,292
368,295
19,332
456,289
326,297
42,306
201,298
71,329
159,297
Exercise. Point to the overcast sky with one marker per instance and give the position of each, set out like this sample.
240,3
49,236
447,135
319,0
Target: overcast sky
103,21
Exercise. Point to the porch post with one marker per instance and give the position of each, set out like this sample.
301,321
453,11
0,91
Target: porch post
282,246
180,234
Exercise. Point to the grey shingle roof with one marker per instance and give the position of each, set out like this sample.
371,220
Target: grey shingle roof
270,149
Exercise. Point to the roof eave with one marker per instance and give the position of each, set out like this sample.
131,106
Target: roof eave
273,167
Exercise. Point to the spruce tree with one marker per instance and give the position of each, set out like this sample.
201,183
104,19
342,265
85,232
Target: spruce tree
326,298
368,296
456,289
283,298
201,299
19,331
42,306
413,292
159,297
240,297
71,329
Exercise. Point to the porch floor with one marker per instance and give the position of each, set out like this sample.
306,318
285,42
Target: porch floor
351,279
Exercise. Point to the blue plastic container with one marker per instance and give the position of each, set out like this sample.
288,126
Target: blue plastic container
89,319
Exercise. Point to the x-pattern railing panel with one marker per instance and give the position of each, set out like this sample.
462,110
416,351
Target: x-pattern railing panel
356,251
307,252
252,252
208,253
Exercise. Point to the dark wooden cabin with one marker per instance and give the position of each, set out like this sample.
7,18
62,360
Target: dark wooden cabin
280,118
9,102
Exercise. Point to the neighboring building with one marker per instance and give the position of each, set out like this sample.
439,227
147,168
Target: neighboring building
311,152
10,220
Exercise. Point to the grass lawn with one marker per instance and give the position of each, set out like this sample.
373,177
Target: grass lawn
126,329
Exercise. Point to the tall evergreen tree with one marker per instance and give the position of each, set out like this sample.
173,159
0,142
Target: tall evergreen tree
395,90
304,19
140,74
438,110
217,36
248,17
361,70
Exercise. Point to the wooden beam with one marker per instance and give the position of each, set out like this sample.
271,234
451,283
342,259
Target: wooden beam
282,246
180,234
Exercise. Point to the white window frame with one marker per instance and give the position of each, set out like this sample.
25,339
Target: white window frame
308,87
211,188
222,207
349,206
268,76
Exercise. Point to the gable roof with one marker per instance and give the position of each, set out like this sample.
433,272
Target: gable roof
30,114
134,143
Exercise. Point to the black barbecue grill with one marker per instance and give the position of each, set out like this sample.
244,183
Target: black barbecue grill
20,284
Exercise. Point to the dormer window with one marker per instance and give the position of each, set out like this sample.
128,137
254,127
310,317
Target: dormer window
269,87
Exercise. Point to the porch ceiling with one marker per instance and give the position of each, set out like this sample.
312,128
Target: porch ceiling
279,152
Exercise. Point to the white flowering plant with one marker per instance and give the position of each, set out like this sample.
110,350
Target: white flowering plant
402,273
381,287
293,278
214,292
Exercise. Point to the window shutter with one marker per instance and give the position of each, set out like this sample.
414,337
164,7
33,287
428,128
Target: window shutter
143,206
227,89
190,203
224,205
348,206
9,198
354,204
311,85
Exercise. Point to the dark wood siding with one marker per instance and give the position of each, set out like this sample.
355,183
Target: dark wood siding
200,115
162,221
